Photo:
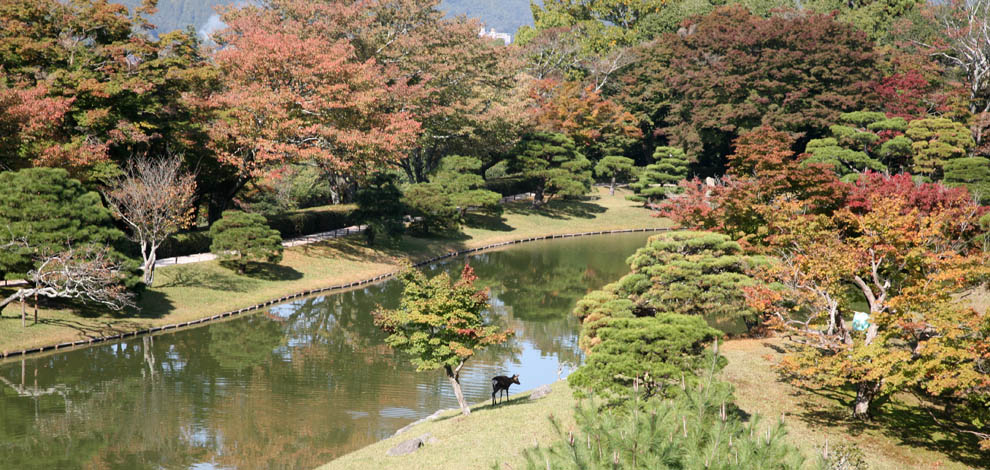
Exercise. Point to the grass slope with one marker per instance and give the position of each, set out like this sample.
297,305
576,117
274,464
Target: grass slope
488,436
901,437
192,291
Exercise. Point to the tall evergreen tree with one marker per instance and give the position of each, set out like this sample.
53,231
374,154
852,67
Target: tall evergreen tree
553,165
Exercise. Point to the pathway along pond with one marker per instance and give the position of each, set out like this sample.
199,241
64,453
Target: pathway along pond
294,386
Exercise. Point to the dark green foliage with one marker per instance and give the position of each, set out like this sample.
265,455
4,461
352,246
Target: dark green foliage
50,212
848,163
691,273
454,190
615,168
862,142
308,222
698,428
971,172
656,181
184,244
935,141
380,207
242,237
688,273
650,352
552,165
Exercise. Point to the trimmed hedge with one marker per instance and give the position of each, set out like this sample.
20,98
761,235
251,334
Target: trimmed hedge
290,225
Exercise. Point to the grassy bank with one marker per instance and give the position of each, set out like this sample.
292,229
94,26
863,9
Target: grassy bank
488,435
902,436
189,292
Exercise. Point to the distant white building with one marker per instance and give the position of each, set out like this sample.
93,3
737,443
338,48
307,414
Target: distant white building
505,37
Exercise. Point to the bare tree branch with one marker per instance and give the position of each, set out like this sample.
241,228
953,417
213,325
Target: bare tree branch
155,199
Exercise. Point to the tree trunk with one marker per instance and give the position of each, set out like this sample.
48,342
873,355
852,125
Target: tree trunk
611,188
36,307
866,391
23,314
148,268
538,196
456,384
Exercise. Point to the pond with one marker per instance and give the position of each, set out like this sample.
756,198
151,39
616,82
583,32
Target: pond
294,386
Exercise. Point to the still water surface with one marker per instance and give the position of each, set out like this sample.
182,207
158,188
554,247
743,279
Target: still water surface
294,386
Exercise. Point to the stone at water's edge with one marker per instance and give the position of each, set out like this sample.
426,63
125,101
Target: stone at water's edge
409,446
540,392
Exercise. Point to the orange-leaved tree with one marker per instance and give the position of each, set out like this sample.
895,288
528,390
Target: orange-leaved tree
903,257
296,90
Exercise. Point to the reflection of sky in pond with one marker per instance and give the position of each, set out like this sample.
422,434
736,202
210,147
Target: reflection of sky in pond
293,386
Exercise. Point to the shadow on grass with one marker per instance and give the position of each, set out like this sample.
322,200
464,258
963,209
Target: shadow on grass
270,272
487,222
207,279
908,424
562,209
153,304
520,400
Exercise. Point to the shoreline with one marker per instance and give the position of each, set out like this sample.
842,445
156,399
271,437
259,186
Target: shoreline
74,345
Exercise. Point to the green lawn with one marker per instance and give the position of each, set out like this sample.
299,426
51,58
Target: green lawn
189,292
488,436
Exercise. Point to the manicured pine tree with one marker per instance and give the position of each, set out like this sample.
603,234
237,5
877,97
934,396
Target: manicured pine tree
48,211
443,202
935,141
553,166
690,273
647,351
971,172
616,168
658,180
692,424
240,238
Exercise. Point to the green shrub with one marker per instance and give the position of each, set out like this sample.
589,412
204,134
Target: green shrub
291,225
698,428
308,222
649,353
240,238
185,244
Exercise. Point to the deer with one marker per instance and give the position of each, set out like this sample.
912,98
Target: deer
502,383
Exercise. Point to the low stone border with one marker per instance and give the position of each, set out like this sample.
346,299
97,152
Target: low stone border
339,287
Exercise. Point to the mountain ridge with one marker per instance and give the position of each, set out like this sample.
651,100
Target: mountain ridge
503,15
